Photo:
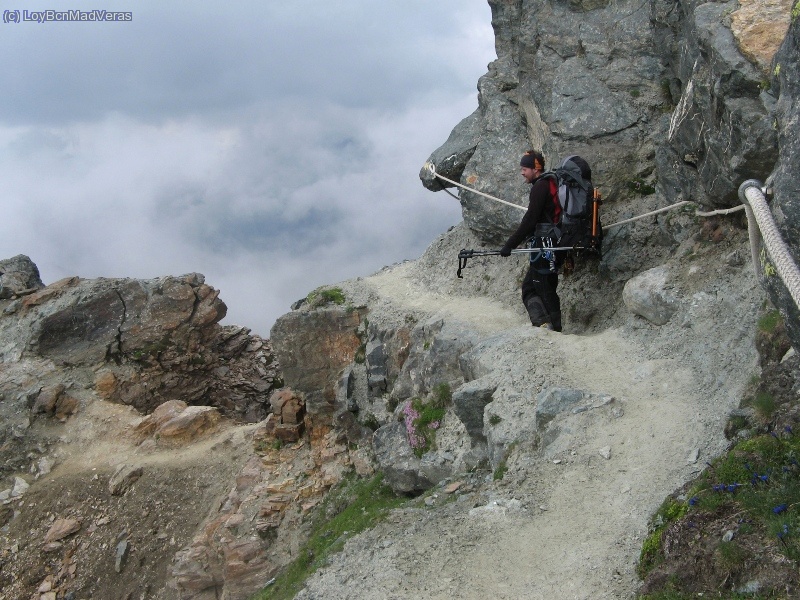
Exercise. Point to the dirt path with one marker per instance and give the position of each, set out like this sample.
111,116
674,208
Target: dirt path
566,521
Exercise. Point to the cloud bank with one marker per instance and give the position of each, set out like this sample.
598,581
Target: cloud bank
273,148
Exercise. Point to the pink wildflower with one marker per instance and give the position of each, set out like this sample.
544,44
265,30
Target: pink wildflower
415,440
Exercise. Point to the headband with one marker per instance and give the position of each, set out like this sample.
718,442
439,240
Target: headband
531,162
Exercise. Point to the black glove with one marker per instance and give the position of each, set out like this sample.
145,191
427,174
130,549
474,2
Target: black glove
505,251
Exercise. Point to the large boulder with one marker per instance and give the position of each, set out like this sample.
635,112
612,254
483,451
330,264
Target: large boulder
648,296
397,461
18,276
313,347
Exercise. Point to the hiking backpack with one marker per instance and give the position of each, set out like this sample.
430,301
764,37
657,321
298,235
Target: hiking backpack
577,211
576,215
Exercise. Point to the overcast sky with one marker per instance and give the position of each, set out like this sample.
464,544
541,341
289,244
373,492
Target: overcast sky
272,146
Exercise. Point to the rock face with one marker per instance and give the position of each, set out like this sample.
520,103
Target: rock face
667,97
139,343
18,276
314,347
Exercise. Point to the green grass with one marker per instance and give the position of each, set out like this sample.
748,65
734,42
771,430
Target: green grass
761,478
423,418
442,396
651,555
500,471
731,555
764,403
769,321
640,187
323,296
357,504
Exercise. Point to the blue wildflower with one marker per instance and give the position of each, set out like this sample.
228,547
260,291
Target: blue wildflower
779,509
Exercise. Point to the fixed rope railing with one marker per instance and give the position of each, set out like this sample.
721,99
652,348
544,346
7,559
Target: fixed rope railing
761,227
432,168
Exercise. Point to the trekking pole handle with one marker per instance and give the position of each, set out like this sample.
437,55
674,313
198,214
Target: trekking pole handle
466,254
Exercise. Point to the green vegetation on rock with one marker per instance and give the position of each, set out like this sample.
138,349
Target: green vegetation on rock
351,507
323,296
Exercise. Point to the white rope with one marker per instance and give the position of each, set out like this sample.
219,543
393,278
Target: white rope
650,214
758,212
432,168
722,211
761,227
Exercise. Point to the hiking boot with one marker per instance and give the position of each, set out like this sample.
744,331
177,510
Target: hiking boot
546,326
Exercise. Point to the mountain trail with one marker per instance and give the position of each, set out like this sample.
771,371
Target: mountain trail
569,516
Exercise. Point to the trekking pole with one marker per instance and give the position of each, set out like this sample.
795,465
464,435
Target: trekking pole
465,254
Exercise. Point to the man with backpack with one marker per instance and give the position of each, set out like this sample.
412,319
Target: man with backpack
539,286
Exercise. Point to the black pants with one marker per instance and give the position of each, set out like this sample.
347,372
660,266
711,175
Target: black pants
540,298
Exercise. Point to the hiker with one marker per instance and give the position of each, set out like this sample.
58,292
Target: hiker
539,286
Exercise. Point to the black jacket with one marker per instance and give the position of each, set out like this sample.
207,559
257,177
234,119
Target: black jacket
541,209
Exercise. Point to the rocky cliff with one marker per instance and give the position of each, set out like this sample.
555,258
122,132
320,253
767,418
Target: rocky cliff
149,452
669,101
668,95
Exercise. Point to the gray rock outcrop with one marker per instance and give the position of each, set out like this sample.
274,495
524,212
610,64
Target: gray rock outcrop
18,276
142,343
667,101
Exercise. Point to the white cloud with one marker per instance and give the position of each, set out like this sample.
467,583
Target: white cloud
202,158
